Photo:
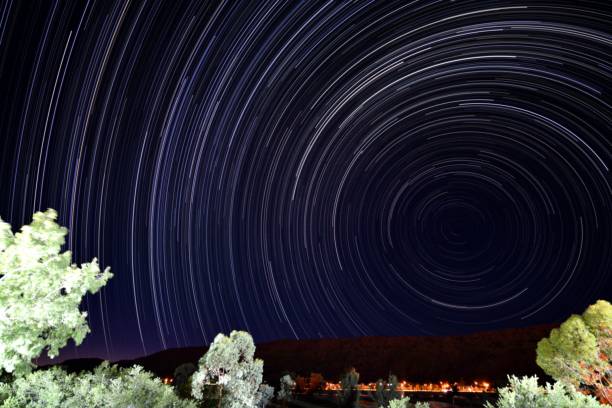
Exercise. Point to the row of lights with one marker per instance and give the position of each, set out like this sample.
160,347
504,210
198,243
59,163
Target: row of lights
405,386
442,386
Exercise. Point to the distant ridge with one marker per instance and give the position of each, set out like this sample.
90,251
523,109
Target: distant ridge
486,355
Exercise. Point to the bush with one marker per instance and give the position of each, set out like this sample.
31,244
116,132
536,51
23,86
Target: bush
525,392
287,385
405,403
266,393
107,386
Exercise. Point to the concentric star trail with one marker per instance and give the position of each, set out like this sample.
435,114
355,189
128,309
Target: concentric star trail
314,169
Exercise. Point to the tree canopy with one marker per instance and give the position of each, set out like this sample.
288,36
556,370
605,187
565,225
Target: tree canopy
579,351
40,292
229,367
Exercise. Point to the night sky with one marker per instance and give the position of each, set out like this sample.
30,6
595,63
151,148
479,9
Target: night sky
314,169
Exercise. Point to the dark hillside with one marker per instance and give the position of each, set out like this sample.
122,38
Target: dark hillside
487,355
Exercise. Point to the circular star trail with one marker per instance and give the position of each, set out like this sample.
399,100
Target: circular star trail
314,169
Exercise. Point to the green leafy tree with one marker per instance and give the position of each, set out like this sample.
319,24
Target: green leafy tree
40,292
525,393
229,368
579,351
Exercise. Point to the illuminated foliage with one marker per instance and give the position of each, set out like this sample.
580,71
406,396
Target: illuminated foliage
230,367
107,386
266,393
287,385
579,351
405,403
524,392
40,292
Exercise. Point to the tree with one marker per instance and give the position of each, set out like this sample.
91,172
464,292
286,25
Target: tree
579,351
229,365
285,392
349,384
40,292
386,391
525,392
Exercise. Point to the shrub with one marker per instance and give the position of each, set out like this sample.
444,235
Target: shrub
266,393
287,385
525,392
405,403
107,386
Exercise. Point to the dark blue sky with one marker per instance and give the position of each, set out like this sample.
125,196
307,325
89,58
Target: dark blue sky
314,169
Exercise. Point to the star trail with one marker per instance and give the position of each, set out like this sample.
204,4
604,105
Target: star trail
314,169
